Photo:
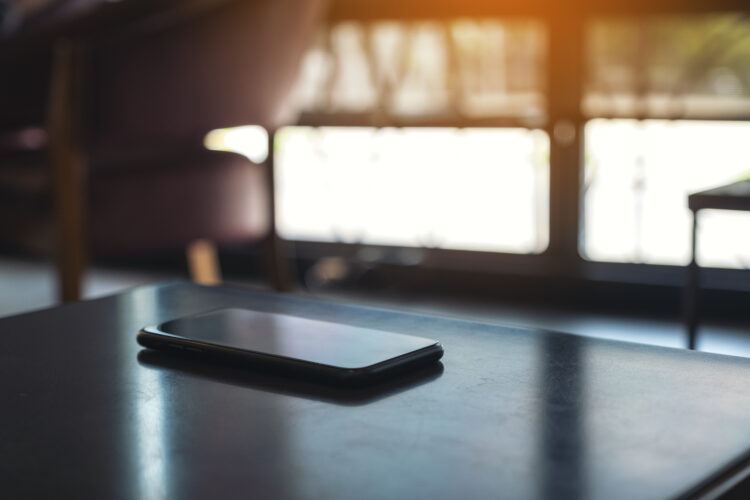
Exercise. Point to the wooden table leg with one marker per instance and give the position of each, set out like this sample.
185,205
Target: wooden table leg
68,169
692,285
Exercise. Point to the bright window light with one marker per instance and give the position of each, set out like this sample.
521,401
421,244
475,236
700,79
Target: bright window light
472,189
250,141
638,176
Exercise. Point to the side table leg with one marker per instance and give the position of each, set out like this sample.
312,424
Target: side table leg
692,285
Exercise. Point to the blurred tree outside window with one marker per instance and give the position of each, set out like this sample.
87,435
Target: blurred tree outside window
673,67
453,70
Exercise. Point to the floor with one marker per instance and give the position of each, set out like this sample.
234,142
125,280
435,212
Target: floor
28,285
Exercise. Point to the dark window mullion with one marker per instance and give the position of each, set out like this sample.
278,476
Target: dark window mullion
565,128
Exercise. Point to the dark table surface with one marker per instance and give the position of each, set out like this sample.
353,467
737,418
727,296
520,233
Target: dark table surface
512,413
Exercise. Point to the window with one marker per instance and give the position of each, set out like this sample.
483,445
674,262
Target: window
470,189
433,133
680,77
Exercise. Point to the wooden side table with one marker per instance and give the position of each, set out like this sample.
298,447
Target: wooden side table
735,196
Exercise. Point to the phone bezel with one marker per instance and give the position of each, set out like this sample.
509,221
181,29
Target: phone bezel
154,338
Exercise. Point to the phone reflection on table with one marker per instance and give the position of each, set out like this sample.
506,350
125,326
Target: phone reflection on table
289,385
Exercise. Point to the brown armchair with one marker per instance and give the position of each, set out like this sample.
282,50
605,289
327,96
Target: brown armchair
135,86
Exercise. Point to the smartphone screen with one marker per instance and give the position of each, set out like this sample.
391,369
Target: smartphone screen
285,337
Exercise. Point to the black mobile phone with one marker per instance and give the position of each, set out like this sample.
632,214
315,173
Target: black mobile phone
292,345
